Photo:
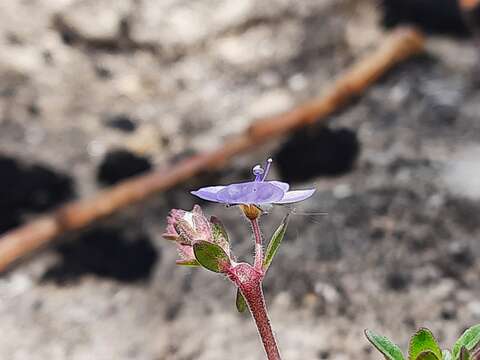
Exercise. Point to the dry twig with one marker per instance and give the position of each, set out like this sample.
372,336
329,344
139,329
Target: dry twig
398,46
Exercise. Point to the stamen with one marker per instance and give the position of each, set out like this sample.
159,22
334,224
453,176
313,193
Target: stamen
258,172
267,168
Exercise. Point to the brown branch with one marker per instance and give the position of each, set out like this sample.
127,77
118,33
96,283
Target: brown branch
398,46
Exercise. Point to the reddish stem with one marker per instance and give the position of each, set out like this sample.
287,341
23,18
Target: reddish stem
258,264
253,294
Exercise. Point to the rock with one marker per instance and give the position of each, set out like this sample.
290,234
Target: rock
94,19
474,308
271,103
461,173
169,25
260,45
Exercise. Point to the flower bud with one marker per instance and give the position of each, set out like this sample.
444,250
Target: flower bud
187,257
187,227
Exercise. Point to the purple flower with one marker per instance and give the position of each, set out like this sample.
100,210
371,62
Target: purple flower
257,192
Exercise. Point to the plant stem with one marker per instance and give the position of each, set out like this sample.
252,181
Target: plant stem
258,264
252,291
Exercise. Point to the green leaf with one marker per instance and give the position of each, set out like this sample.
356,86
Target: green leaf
470,339
240,302
465,354
219,233
384,345
274,243
446,355
423,341
211,256
427,355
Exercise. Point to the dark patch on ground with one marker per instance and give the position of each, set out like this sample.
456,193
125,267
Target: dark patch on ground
120,42
464,212
323,354
121,122
329,249
456,260
29,188
397,281
448,312
106,252
118,165
432,16
317,151
103,73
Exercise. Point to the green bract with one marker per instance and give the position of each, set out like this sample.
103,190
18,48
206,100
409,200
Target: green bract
423,341
211,256
469,339
274,243
240,302
390,350
219,233
427,355
423,346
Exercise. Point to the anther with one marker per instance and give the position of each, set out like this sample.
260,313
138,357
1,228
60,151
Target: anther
258,172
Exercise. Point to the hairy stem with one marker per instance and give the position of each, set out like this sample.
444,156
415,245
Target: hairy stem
252,291
258,264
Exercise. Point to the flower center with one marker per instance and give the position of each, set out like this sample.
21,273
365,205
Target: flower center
260,173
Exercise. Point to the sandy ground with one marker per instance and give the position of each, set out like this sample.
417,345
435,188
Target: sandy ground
396,251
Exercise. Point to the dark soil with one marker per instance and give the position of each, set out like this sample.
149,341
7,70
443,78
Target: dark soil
118,165
121,122
432,16
317,151
28,188
107,252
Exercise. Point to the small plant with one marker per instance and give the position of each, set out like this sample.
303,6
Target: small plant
205,242
423,346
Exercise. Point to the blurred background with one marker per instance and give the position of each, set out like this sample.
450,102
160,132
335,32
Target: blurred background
95,91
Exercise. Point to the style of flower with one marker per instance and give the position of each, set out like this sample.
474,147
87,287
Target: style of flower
257,192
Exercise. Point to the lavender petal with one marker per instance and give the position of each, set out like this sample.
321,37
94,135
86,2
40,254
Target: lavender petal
208,193
253,192
295,196
282,185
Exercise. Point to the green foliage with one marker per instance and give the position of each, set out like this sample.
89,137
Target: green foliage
211,256
384,345
427,355
422,342
423,346
465,354
240,302
469,339
274,243
219,233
